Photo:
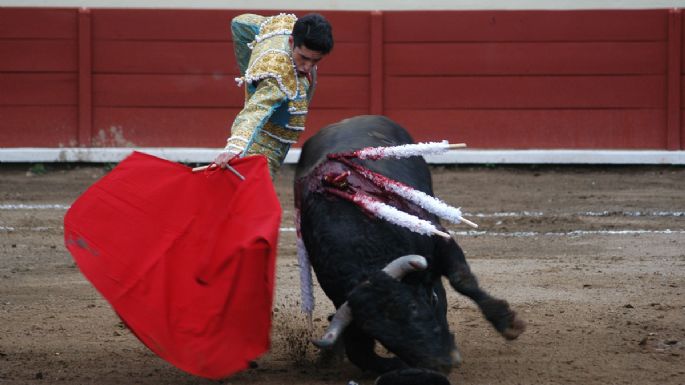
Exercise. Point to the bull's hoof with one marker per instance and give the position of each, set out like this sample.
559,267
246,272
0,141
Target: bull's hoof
412,376
505,320
516,327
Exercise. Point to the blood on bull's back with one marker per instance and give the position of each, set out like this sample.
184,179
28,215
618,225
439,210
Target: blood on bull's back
366,131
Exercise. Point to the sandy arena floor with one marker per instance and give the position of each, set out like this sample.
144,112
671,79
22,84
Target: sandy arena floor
593,258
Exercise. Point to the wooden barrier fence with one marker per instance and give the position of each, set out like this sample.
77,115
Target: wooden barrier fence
607,79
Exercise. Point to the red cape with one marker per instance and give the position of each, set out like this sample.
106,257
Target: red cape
186,259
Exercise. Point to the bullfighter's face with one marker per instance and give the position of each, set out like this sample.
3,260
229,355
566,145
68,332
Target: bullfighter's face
305,59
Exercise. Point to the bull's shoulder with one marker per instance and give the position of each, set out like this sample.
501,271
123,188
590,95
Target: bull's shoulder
349,135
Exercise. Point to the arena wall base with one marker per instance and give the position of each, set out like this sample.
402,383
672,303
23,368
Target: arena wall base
205,155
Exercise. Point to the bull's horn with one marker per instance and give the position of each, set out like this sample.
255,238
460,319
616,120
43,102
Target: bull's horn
343,316
403,265
340,320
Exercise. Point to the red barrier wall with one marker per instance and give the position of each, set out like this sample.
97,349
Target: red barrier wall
493,79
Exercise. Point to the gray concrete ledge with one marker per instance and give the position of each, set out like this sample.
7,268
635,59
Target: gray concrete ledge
205,155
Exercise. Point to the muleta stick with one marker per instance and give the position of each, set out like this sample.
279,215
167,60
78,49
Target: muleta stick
228,166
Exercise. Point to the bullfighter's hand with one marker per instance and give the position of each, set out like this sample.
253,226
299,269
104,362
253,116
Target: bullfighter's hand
225,158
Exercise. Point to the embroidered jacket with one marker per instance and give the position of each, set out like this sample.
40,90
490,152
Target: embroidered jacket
276,97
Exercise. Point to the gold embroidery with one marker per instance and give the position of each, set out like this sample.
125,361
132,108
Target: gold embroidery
298,105
278,23
275,64
279,133
296,122
274,150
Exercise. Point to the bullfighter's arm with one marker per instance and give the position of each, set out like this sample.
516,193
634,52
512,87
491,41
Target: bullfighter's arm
258,108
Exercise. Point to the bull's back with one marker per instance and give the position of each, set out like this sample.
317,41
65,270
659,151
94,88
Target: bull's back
360,132
344,243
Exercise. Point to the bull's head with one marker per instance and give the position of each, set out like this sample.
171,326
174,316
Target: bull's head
402,317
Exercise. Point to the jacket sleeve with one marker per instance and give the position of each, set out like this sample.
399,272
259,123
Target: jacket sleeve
244,28
257,110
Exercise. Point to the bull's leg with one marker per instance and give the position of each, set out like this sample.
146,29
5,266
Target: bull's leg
495,310
360,351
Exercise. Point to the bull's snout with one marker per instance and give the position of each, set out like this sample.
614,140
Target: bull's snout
442,363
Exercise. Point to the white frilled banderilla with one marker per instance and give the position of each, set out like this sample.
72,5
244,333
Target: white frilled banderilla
380,210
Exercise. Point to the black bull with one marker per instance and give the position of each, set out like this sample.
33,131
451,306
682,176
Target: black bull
348,248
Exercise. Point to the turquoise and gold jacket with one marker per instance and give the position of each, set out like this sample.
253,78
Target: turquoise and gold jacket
276,97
